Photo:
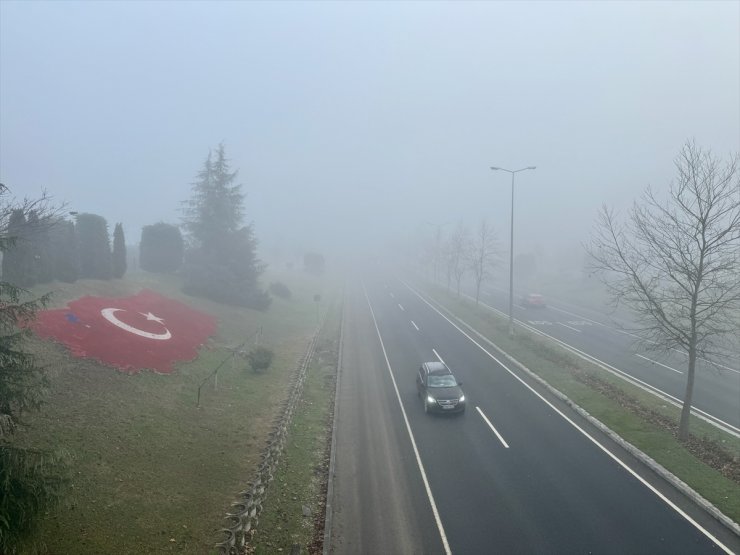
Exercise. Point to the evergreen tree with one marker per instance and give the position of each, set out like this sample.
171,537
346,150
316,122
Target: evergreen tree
221,263
94,247
16,252
39,244
161,248
31,480
119,252
216,207
64,249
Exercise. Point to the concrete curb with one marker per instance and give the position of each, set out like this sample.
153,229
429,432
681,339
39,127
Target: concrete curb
634,451
329,516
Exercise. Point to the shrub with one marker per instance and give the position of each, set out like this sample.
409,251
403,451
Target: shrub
219,283
279,289
161,248
260,358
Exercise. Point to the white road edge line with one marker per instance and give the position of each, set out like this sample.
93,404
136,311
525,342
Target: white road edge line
658,363
436,354
582,431
498,435
401,307
441,529
569,327
414,324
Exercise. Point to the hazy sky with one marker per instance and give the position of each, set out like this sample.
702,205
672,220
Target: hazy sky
352,120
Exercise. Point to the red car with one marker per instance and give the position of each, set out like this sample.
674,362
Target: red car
533,300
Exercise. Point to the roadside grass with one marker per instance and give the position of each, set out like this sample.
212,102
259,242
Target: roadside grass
151,472
300,479
635,415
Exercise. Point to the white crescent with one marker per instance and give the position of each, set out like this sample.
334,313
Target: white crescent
110,315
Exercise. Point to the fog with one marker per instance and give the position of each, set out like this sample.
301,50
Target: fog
358,123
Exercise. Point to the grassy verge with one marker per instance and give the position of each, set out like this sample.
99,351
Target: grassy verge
294,509
709,463
151,471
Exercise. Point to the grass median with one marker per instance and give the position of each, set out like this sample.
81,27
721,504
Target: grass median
709,463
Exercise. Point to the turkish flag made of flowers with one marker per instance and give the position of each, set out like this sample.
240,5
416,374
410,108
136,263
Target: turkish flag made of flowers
146,330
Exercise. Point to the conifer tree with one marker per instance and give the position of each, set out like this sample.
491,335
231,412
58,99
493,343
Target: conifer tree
94,247
31,480
221,263
64,249
119,252
16,253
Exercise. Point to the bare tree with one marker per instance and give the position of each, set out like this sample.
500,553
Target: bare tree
458,247
676,263
47,215
483,254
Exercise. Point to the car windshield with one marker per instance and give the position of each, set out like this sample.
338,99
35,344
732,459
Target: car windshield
445,380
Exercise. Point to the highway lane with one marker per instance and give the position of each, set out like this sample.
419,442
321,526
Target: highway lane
548,489
716,388
380,503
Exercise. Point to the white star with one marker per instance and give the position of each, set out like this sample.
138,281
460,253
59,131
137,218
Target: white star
150,316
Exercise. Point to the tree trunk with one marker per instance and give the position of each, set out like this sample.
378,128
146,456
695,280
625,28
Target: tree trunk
683,426
477,292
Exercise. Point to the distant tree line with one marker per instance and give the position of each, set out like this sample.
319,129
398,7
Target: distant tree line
460,254
58,249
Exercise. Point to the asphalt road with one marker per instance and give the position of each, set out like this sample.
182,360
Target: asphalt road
519,472
716,386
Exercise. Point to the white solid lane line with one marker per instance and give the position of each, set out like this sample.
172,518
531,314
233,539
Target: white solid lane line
414,324
402,309
659,364
436,354
498,435
437,519
569,327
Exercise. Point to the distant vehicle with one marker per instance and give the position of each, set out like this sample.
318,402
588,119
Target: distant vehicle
533,300
439,389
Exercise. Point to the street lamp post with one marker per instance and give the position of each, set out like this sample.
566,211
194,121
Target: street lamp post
511,246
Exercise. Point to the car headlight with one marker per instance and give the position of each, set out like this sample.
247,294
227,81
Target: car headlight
462,398
430,399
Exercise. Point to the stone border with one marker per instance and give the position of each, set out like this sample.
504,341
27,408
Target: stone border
329,515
